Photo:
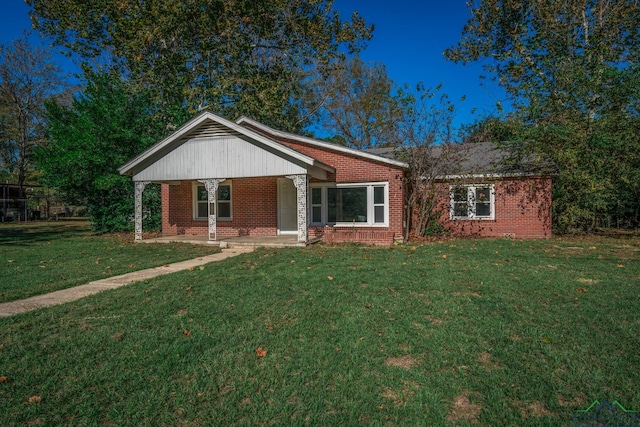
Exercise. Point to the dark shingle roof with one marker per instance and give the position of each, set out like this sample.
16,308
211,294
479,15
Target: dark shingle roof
476,158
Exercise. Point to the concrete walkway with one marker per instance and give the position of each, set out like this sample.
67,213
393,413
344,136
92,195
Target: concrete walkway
77,292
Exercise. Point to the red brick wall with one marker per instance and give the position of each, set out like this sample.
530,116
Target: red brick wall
350,168
522,210
369,235
254,209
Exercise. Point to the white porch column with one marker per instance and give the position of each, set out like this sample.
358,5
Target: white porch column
139,189
301,183
211,185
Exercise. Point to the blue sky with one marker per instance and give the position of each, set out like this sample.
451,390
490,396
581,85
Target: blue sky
409,39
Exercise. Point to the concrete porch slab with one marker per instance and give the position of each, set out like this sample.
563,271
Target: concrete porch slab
230,242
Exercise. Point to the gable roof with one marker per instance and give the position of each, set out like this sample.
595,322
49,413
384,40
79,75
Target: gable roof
369,154
225,125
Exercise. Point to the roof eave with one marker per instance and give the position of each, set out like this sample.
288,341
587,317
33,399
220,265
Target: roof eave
322,144
463,176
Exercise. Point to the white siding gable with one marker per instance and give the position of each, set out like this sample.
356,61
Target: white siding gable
221,156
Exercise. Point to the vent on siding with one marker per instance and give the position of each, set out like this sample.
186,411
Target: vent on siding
210,129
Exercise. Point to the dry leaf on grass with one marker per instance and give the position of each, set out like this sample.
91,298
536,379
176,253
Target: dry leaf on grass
3,379
433,320
261,352
330,277
35,399
118,336
186,333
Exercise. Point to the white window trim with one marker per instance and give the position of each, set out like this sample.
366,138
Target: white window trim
321,205
471,188
370,204
194,196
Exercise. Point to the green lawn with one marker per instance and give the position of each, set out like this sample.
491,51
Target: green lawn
37,258
483,332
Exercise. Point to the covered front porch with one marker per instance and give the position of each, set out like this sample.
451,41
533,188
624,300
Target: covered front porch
238,209
228,167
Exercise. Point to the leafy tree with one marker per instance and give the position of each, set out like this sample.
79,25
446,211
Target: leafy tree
356,102
233,57
28,77
106,126
571,70
492,128
431,149
554,53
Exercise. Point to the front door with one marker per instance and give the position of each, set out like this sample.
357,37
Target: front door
287,207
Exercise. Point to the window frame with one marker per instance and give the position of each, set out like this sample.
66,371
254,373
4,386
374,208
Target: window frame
471,202
196,202
316,205
370,204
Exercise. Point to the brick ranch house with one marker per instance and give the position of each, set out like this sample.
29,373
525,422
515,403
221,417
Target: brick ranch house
228,179
481,192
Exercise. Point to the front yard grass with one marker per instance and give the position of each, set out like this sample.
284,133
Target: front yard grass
467,332
37,258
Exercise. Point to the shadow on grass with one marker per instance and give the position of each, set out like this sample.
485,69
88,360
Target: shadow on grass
38,232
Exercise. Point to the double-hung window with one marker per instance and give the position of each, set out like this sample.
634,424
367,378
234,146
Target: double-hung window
223,201
365,204
472,201
316,205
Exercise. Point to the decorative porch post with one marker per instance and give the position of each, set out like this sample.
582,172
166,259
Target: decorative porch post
301,183
211,185
139,186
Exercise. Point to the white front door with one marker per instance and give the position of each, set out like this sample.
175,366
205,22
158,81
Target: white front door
287,207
